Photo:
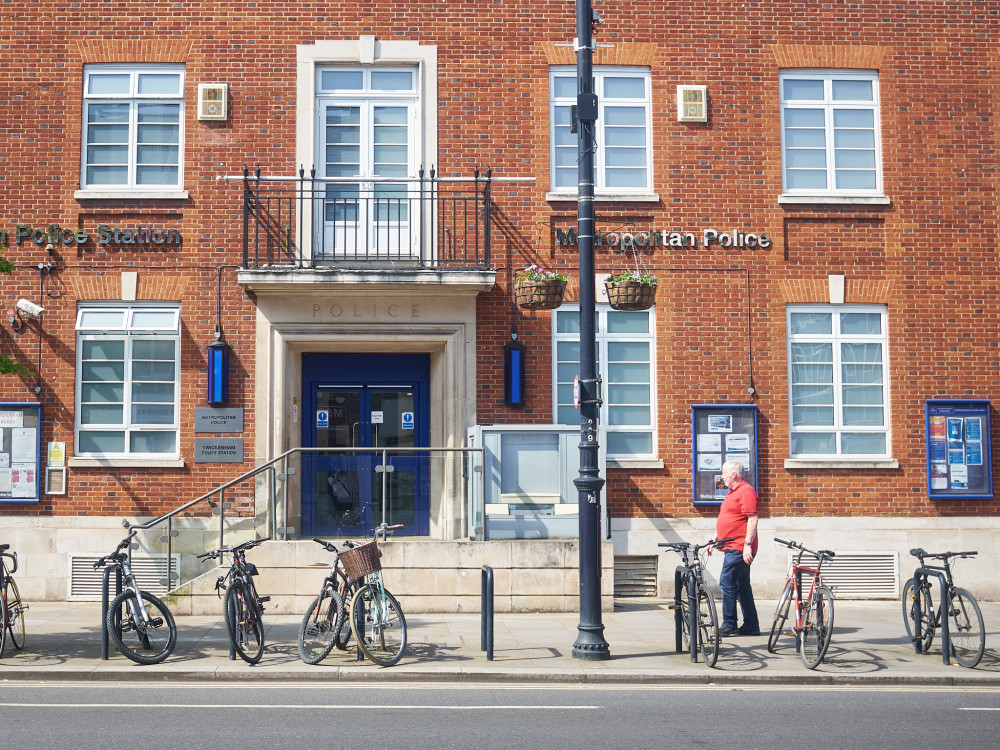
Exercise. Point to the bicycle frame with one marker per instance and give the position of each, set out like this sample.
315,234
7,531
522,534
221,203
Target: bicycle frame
947,582
796,578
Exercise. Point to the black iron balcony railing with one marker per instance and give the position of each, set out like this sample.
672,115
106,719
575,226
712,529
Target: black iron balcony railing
308,221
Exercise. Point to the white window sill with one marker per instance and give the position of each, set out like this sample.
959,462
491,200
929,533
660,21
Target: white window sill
841,463
607,197
845,200
635,463
125,463
101,195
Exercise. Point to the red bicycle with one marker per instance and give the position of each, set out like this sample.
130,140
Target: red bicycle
813,626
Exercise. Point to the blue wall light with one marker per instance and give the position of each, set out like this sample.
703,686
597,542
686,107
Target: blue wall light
218,372
513,373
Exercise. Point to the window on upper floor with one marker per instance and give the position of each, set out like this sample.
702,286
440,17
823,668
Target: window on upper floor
128,383
623,153
838,386
133,125
830,142
626,367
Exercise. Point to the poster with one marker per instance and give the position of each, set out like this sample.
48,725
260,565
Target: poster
721,433
20,452
23,443
958,448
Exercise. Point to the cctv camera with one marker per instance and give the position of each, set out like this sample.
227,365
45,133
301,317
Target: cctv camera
30,308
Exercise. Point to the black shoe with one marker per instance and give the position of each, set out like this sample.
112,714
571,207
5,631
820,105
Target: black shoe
741,631
727,632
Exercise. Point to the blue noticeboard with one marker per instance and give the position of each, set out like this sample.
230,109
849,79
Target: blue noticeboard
20,452
720,433
959,453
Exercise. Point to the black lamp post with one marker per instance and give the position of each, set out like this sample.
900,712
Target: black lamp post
590,643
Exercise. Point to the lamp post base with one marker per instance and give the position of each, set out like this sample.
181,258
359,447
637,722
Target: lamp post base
590,644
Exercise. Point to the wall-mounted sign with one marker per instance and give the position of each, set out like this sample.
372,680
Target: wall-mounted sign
20,452
959,452
707,239
143,236
218,420
218,450
721,433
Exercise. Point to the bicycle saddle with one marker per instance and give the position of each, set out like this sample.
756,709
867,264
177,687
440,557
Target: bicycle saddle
919,552
4,547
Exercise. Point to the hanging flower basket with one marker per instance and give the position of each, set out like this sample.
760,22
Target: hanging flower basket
538,289
629,291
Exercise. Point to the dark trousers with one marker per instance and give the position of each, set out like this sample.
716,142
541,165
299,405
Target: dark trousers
735,584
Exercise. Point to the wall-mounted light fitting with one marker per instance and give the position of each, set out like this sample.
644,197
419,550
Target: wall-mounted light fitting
692,104
218,371
513,373
213,101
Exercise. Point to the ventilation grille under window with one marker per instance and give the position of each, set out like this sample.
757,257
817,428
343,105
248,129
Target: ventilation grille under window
151,573
859,575
635,576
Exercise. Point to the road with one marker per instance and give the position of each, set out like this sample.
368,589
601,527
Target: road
364,717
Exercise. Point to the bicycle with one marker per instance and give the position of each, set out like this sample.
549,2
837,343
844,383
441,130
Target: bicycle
966,632
325,625
140,625
377,620
813,627
11,608
243,607
706,618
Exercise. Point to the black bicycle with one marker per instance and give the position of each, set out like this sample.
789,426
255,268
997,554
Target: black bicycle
243,607
12,609
965,620
703,618
325,625
140,625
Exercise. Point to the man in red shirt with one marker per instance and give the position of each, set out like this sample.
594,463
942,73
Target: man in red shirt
738,519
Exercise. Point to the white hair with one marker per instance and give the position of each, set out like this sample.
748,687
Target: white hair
735,467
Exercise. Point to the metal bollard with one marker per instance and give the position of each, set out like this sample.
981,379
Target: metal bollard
919,576
486,613
105,606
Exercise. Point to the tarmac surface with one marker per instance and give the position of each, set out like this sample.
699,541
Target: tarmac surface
869,647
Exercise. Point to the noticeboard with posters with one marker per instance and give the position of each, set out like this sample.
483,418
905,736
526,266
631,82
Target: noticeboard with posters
959,454
720,433
20,452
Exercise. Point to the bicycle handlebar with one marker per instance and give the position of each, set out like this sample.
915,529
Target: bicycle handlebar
242,547
823,554
921,553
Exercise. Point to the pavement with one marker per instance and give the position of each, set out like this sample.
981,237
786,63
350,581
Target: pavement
869,647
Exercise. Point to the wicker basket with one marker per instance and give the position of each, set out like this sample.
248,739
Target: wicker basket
361,560
630,295
539,295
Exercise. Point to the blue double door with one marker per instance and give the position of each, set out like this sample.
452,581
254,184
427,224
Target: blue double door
365,404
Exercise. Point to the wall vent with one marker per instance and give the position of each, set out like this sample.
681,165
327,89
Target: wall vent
150,571
860,575
635,576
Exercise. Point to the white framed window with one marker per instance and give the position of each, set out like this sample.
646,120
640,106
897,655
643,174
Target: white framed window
623,153
838,381
367,130
625,348
830,135
128,381
133,127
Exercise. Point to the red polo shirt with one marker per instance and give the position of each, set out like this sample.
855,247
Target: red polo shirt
739,505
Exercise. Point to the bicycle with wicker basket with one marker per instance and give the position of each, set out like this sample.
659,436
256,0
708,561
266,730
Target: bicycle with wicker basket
377,620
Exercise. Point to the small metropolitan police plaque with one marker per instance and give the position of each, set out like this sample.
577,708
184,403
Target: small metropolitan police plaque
218,420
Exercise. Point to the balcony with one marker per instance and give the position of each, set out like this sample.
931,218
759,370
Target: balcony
366,225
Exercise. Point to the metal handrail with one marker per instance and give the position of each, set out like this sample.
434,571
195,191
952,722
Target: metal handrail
270,466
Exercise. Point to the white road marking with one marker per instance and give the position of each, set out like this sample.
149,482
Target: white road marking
310,706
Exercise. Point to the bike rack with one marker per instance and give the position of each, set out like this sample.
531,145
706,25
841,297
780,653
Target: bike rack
694,624
105,585
486,613
919,576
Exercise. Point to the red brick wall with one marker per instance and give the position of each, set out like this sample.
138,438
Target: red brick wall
930,255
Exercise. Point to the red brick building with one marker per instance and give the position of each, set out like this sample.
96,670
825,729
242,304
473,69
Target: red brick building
813,187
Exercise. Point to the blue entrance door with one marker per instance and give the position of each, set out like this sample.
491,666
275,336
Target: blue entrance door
365,404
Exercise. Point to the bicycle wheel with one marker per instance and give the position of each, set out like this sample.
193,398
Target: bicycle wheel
15,615
817,627
780,616
246,631
3,629
708,627
320,626
378,624
147,640
965,628
343,634
926,617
